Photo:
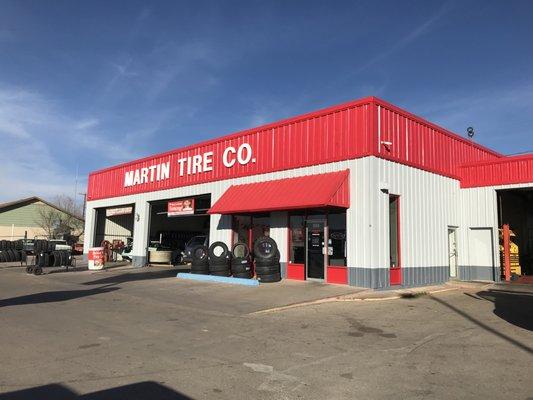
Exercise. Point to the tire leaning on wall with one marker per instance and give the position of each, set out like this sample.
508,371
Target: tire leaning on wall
218,259
265,248
200,262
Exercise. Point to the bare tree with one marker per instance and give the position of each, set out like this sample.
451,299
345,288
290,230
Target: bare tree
66,219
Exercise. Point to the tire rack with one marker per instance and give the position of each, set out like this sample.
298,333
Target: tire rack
30,268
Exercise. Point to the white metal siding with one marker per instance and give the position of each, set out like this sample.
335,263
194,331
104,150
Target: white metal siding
427,208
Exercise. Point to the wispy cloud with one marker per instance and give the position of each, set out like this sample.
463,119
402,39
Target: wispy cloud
41,143
406,40
496,113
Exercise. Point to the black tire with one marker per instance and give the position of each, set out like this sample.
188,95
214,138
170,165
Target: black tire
240,268
200,272
200,264
68,259
240,261
19,245
273,260
51,247
37,270
10,255
269,278
17,255
29,269
23,256
240,250
267,270
44,246
42,260
200,269
54,258
218,268
2,245
221,273
265,248
60,258
220,258
2,257
243,275
199,254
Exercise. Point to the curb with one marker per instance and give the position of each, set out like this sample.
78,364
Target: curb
358,297
218,279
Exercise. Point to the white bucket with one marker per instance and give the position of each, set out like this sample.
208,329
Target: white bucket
96,258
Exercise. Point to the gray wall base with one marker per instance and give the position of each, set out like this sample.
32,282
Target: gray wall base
477,273
138,261
283,266
374,278
378,278
423,276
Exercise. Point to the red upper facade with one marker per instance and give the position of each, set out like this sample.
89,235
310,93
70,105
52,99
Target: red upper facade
361,128
503,171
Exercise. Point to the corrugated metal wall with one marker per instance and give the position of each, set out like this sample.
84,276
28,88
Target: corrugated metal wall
429,204
508,171
323,137
348,131
422,144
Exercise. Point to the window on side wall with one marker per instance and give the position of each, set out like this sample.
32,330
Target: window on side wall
337,239
394,231
297,239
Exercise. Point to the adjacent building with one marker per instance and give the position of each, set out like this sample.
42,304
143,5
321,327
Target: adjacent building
33,217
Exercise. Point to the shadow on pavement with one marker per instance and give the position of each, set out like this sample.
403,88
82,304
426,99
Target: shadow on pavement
484,326
515,307
138,276
136,391
55,296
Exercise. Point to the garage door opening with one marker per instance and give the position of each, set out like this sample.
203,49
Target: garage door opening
515,208
114,231
176,225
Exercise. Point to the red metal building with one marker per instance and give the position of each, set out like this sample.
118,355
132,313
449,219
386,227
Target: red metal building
394,198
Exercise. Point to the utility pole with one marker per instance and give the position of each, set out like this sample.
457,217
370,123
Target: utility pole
84,203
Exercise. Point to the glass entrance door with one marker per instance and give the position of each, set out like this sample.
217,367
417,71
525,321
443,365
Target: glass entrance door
315,249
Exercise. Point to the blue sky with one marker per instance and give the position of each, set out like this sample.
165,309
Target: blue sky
95,83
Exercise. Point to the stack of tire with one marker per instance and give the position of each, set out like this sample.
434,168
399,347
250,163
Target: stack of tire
46,255
11,251
241,261
219,259
200,260
266,255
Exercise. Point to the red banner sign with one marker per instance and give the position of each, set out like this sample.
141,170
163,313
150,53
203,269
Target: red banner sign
180,207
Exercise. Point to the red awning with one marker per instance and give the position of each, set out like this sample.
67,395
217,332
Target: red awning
311,191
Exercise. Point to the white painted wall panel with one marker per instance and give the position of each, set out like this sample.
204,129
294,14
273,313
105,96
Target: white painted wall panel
427,207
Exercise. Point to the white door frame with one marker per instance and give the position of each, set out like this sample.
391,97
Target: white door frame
453,269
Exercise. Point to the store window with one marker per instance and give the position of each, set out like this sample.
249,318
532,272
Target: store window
247,229
297,239
337,239
394,233
260,226
241,228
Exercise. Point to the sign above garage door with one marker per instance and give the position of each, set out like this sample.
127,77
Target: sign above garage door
111,212
180,207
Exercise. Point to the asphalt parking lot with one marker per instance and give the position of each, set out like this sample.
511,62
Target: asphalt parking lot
137,334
